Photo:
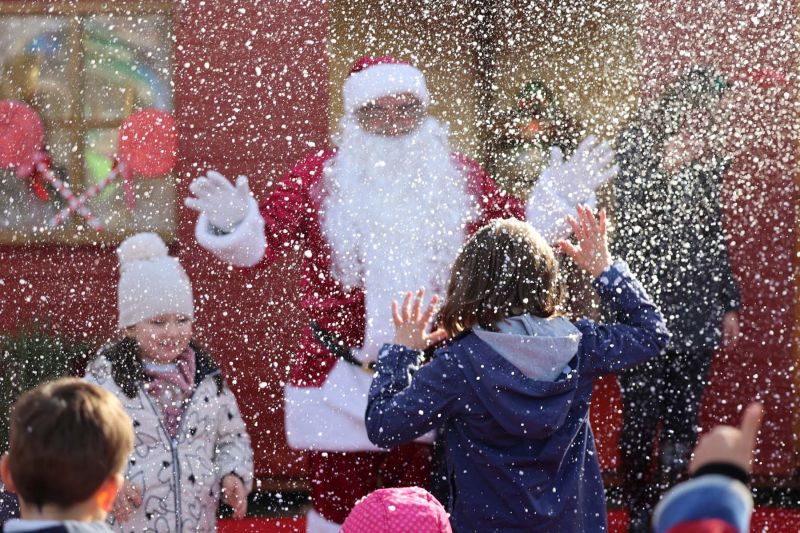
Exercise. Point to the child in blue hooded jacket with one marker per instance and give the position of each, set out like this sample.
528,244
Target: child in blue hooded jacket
511,388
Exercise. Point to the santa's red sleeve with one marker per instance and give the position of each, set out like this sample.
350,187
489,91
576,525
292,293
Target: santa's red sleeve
291,204
492,202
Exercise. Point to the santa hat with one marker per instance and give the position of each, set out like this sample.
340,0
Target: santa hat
373,77
151,283
398,509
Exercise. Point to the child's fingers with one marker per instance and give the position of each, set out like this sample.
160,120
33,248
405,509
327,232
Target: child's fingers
603,221
568,248
417,309
576,229
751,423
396,315
591,220
436,336
587,220
407,307
426,318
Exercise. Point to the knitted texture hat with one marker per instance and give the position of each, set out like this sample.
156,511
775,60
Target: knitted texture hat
398,509
151,282
373,77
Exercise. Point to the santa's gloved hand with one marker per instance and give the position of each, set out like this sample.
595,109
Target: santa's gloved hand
224,205
576,179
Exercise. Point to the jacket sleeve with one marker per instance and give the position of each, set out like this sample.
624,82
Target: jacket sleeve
637,332
406,400
708,503
234,452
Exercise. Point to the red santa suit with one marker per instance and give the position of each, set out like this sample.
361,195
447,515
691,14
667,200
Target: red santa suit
356,257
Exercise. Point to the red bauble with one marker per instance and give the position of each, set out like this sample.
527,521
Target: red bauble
21,133
148,142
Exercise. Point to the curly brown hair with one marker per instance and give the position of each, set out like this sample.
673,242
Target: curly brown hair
505,269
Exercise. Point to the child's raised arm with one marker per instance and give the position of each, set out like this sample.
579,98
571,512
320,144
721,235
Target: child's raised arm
399,408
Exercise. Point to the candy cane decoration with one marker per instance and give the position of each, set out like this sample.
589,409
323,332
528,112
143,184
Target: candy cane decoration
42,168
147,146
78,204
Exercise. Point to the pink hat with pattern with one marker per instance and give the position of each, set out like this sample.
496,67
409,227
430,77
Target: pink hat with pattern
398,509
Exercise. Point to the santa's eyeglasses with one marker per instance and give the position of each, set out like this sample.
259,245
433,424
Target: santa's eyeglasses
409,110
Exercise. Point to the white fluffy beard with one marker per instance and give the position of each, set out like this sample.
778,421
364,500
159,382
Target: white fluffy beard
394,213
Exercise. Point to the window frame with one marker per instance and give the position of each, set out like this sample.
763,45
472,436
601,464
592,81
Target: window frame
76,126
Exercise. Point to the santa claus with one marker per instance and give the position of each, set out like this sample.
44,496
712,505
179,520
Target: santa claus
385,210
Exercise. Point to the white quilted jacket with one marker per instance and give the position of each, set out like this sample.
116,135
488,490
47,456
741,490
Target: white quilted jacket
180,479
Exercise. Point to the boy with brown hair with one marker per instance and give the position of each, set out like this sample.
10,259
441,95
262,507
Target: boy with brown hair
69,442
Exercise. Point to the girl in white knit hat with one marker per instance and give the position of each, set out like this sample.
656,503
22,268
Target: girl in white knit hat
191,449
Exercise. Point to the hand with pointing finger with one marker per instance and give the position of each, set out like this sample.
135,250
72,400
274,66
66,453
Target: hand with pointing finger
727,444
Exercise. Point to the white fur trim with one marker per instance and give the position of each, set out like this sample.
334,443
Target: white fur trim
331,417
316,523
382,80
244,246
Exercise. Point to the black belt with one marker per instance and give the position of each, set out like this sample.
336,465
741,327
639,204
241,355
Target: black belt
334,343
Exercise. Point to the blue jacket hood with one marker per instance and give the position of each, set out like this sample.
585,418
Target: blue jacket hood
521,405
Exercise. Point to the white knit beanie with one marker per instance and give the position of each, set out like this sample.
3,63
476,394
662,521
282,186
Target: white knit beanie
151,282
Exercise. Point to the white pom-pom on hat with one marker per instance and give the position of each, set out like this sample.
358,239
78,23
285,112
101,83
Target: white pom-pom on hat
141,247
151,282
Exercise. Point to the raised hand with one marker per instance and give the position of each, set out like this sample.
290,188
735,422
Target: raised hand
591,251
727,444
216,197
411,324
576,178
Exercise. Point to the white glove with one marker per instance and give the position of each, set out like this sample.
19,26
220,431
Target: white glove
576,179
214,196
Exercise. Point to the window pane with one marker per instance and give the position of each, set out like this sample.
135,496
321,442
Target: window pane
154,208
127,65
34,55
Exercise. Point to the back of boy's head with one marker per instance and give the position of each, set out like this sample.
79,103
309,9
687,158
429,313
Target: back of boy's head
67,437
505,269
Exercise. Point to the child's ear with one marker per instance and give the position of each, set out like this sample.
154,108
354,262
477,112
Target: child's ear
107,493
5,473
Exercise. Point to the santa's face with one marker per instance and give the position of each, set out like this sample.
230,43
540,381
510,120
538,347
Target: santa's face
393,115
